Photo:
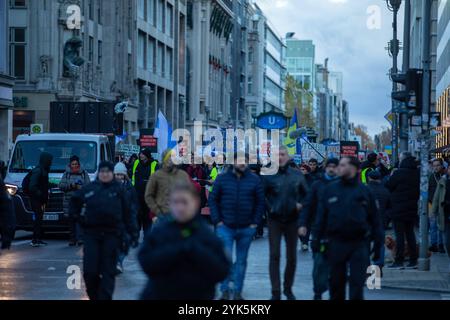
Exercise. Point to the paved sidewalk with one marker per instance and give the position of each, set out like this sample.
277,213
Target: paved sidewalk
437,279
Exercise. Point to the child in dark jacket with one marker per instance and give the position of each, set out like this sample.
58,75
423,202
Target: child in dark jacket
182,257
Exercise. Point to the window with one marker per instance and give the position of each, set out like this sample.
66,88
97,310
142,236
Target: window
129,63
151,11
250,85
18,4
151,55
102,153
141,50
91,49
161,15
169,64
250,54
18,52
141,9
91,9
160,59
100,52
99,11
169,20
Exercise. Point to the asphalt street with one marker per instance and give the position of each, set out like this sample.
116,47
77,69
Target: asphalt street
42,274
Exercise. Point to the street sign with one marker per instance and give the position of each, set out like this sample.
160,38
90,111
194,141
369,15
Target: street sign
37,128
271,120
389,117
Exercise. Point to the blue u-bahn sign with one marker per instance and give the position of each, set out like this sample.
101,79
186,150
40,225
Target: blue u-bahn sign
271,120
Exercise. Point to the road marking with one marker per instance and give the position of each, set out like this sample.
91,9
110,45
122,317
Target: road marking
20,243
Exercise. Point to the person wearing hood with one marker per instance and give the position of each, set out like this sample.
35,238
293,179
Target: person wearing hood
72,180
38,193
103,208
306,220
158,187
284,193
121,175
404,188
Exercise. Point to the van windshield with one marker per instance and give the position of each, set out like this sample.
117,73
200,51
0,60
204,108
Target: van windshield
26,155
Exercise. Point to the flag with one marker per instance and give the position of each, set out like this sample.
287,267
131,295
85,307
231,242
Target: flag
292,144
163,132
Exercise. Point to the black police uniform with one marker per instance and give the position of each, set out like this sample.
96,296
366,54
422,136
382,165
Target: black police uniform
104,211
348,217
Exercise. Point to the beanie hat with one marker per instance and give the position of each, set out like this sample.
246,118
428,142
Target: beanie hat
106,165
120,168
332,161
146,152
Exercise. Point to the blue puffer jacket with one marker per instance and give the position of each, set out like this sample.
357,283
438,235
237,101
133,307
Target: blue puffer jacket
236,201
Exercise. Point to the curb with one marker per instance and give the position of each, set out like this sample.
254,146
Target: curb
411,288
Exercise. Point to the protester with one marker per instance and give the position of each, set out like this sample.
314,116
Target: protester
121,175
130,164
441,208
347,219
72,180
183,259
37,190
404,186
237,206
103,208
316,172
306,219
256,169
158,187
436,236
368,166
7,218
382,196
143,169
284,194
306,171
198,175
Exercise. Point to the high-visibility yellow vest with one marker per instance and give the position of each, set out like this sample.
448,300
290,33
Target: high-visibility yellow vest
213,175
153,166
363,175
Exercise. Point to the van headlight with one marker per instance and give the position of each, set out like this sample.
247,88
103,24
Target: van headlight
11,189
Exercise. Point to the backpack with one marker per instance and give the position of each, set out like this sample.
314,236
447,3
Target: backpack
26,183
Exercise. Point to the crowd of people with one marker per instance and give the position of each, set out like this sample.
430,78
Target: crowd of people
199,221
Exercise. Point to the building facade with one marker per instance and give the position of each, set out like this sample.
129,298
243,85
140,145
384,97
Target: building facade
300,62
210,27
133,51
6,86
443,73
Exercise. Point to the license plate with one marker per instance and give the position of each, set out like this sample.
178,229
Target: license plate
51,217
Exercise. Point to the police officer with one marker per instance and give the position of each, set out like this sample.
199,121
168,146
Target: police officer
143,168
104,210
348,218
306,219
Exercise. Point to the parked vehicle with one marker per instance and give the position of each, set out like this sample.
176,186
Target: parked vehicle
91,149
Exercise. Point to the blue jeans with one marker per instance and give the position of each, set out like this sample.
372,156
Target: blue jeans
436,236
243,238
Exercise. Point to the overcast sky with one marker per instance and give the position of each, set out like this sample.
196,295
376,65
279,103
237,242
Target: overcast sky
340,32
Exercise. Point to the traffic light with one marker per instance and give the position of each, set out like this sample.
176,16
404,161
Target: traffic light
411,96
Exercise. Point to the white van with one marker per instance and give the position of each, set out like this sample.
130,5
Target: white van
91,149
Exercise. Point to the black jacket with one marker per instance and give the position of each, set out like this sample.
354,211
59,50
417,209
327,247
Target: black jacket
404,186
182,261
7,217
283,191
382,198
142,175
101,207
347,212
39,179
238,202
311,202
